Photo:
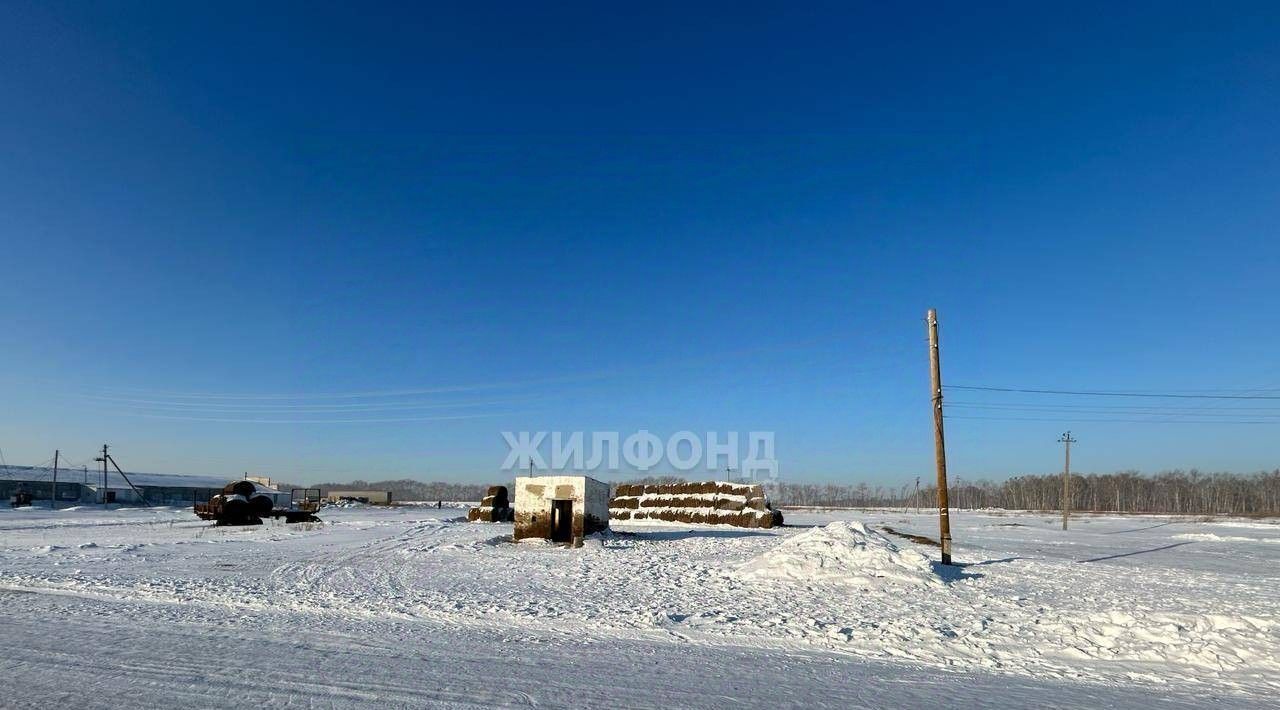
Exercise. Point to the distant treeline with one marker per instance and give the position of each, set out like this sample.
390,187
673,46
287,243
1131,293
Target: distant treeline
1182,492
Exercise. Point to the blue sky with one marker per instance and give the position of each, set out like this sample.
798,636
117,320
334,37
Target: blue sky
726,217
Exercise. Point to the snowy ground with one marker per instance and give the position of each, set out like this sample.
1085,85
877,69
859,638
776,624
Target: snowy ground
412,607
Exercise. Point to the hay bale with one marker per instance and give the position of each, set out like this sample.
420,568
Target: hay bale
234,507
496,497
240,488
743,505
261,504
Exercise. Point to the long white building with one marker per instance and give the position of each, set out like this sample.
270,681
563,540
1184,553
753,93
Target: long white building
81,487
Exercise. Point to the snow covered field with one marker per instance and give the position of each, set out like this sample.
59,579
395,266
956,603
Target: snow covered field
412,607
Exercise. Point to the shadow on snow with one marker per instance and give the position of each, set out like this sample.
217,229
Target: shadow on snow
1136,552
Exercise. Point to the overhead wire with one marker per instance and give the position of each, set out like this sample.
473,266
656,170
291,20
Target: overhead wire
1150,411
159,404
1211,408
1147,407
1117,421
1099,393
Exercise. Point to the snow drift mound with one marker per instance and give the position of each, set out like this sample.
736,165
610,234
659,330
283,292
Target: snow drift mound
843,551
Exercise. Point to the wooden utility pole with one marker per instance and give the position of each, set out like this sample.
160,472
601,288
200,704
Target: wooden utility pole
53,494
939,446
103,459
1066,479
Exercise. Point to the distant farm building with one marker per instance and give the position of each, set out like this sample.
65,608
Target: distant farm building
369,497
560,508
79,486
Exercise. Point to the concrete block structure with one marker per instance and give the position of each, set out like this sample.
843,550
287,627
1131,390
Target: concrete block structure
560,508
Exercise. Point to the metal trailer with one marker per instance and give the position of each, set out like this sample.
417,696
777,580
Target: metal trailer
243,503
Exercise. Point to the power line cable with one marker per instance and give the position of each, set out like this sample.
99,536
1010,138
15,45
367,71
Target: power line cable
1116,421
162,405
241,420
1086,393
1148,411
1148,407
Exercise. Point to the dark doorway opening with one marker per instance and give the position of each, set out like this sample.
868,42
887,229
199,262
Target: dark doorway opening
562,521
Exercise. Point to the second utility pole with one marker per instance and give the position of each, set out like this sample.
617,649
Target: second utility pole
103,459
939,446
1066,479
